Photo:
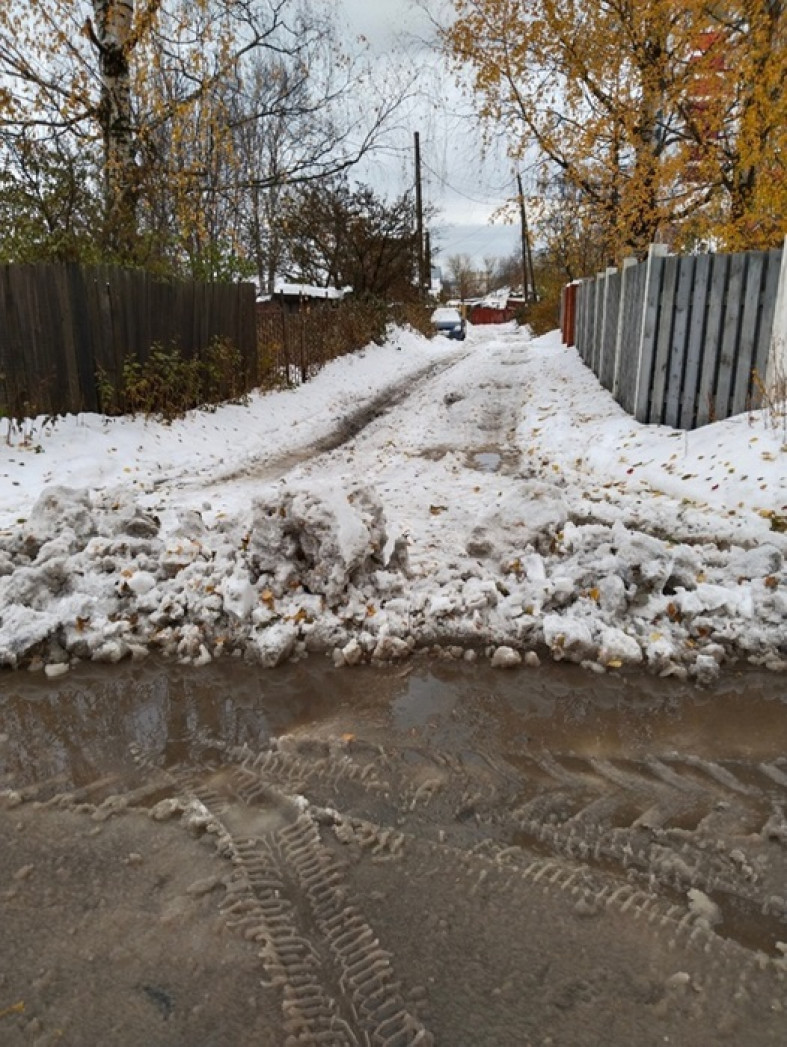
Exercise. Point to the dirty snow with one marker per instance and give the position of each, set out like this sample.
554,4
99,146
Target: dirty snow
487,498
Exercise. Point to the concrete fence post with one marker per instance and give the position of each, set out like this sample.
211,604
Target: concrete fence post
776,370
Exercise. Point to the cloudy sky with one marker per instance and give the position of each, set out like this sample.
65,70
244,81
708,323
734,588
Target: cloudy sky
464,187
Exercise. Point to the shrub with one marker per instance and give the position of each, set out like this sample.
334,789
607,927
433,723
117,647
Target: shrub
168,384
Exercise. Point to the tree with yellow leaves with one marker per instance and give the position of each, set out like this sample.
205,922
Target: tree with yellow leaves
626,106
163,91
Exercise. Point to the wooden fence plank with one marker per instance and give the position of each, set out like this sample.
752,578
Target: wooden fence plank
579,322
740,397
695,343
598,320
768,352
648,327
5,345
9,346
590,332
73,388
664,348
706,400
776,369
730,334
631,322
680,327
609,333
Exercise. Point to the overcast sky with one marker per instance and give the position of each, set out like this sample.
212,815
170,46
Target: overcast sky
465,188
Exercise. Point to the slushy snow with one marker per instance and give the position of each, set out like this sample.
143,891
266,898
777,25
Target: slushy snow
485,497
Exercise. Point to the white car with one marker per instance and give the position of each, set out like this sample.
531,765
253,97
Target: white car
449,321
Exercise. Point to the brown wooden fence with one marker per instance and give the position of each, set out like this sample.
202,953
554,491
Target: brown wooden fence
60,325
681,340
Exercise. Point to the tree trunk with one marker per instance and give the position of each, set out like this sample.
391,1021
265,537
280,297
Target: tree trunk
112,36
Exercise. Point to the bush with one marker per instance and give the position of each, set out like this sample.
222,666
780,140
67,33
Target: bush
542,316
168,384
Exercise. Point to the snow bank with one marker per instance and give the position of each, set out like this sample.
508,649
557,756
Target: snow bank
589,538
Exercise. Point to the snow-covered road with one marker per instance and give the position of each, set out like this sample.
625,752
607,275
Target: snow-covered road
488,497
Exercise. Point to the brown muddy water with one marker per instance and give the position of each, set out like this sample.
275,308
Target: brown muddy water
436,853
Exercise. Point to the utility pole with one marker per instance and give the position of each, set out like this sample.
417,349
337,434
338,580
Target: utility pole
527,257
419,220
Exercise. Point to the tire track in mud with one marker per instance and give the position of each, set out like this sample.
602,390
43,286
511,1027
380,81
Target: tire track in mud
679,824
682,824
675,824
672,946
335,842
288,893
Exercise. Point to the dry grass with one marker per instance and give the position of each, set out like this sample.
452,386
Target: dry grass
770,396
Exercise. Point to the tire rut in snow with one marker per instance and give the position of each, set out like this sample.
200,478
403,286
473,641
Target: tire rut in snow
348,428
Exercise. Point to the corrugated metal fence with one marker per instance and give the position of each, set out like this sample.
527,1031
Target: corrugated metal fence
681,340
61,324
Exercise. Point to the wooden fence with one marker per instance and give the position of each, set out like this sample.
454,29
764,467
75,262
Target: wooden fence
60,325
681,340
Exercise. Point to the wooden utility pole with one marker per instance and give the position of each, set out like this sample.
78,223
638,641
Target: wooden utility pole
527,257
419,221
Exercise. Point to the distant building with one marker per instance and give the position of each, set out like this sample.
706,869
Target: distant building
295,297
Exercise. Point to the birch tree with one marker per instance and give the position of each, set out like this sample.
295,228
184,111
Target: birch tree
161,87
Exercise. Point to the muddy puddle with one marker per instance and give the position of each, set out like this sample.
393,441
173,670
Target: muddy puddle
429,853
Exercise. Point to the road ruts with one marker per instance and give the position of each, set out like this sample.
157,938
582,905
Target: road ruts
536,912
673,823
288,893
679,823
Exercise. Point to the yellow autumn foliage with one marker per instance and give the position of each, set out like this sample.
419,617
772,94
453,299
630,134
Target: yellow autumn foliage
661,119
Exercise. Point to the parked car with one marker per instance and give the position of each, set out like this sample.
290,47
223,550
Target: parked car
449,321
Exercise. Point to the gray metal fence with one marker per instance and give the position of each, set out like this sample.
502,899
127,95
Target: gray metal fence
683,340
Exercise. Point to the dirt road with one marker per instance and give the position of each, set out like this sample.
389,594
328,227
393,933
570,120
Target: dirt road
443,855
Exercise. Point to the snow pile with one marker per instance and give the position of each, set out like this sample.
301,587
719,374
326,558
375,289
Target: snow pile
318,538
494,500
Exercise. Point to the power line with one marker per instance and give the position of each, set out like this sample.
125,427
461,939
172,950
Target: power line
444,181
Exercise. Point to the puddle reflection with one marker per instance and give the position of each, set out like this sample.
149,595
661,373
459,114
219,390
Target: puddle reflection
85,725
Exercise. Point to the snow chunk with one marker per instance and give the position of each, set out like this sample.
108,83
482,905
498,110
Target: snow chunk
506,658
58,508
703,908
141,582
327,537
756,563
618,648
273,645
568,637
391,649
352,653
238,594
